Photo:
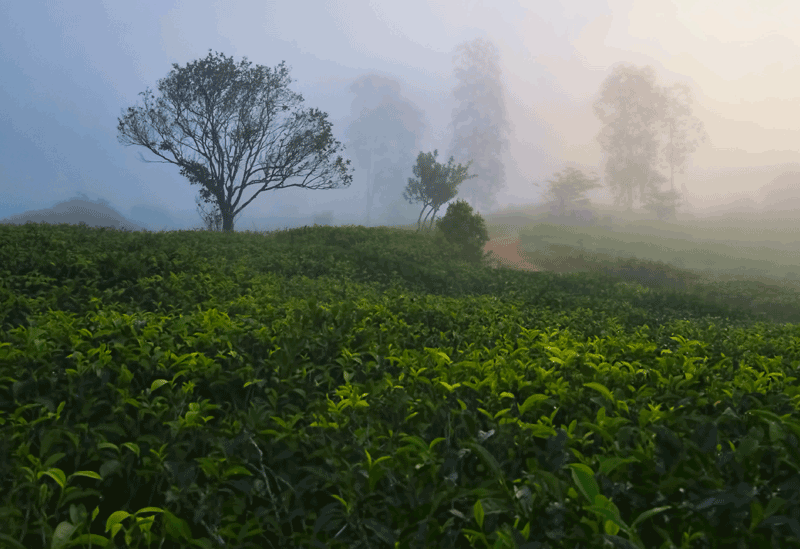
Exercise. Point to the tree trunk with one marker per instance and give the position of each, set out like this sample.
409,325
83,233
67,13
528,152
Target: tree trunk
369,189
425,221
419,219
227,219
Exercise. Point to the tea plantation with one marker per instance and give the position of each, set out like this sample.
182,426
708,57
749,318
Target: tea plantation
343,387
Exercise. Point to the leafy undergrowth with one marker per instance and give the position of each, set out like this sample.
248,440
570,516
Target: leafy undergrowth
563,249
362,387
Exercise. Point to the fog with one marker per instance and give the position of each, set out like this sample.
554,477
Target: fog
69,71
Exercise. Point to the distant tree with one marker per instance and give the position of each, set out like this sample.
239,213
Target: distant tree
383,135
434,185
670,115
389,181
567,190
227,116
663,203
625,175
480,124
676,123
630,107
82,196
324,218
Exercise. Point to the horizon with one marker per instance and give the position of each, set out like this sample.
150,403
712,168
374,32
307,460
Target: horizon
71,72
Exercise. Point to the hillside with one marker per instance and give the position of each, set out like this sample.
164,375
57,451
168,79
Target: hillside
364,387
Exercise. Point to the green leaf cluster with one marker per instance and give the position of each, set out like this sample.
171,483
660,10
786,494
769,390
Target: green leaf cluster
466,229
354,387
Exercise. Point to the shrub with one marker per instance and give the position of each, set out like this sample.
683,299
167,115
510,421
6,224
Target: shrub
464,229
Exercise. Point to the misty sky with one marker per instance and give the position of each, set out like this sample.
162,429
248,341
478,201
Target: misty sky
70,68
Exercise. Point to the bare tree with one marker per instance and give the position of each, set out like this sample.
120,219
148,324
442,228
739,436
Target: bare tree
434,185
630,106
226,116
480,121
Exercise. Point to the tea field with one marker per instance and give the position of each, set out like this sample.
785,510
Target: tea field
353,387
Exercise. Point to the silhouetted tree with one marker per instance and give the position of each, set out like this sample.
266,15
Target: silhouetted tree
630,107
434,185
568,189
384,136
227,116
676,123
479,121
663,203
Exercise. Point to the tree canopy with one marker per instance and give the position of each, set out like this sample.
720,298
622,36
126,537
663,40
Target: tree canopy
678,122
630,106
568,189
220,123
634,111
479,122
382,138
434,185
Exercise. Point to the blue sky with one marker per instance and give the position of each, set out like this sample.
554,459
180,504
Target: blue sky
70,68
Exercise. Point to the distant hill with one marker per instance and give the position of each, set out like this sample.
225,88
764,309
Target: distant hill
74,211
100,213
782,193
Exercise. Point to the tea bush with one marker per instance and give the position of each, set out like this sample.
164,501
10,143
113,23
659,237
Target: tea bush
465,229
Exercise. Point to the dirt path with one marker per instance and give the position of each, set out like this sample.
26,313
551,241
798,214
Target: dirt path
505,248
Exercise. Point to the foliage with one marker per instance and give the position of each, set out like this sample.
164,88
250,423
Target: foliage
359,387
479,122
227,117
663,204
568,188
383,138
434,185
465,229
677,123
211,220
656,255
630,107
634,110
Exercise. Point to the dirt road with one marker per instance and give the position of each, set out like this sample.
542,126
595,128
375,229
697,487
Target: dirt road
505,248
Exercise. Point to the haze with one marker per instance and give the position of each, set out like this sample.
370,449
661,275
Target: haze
69,69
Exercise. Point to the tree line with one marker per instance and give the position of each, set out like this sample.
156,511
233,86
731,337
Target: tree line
230,127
